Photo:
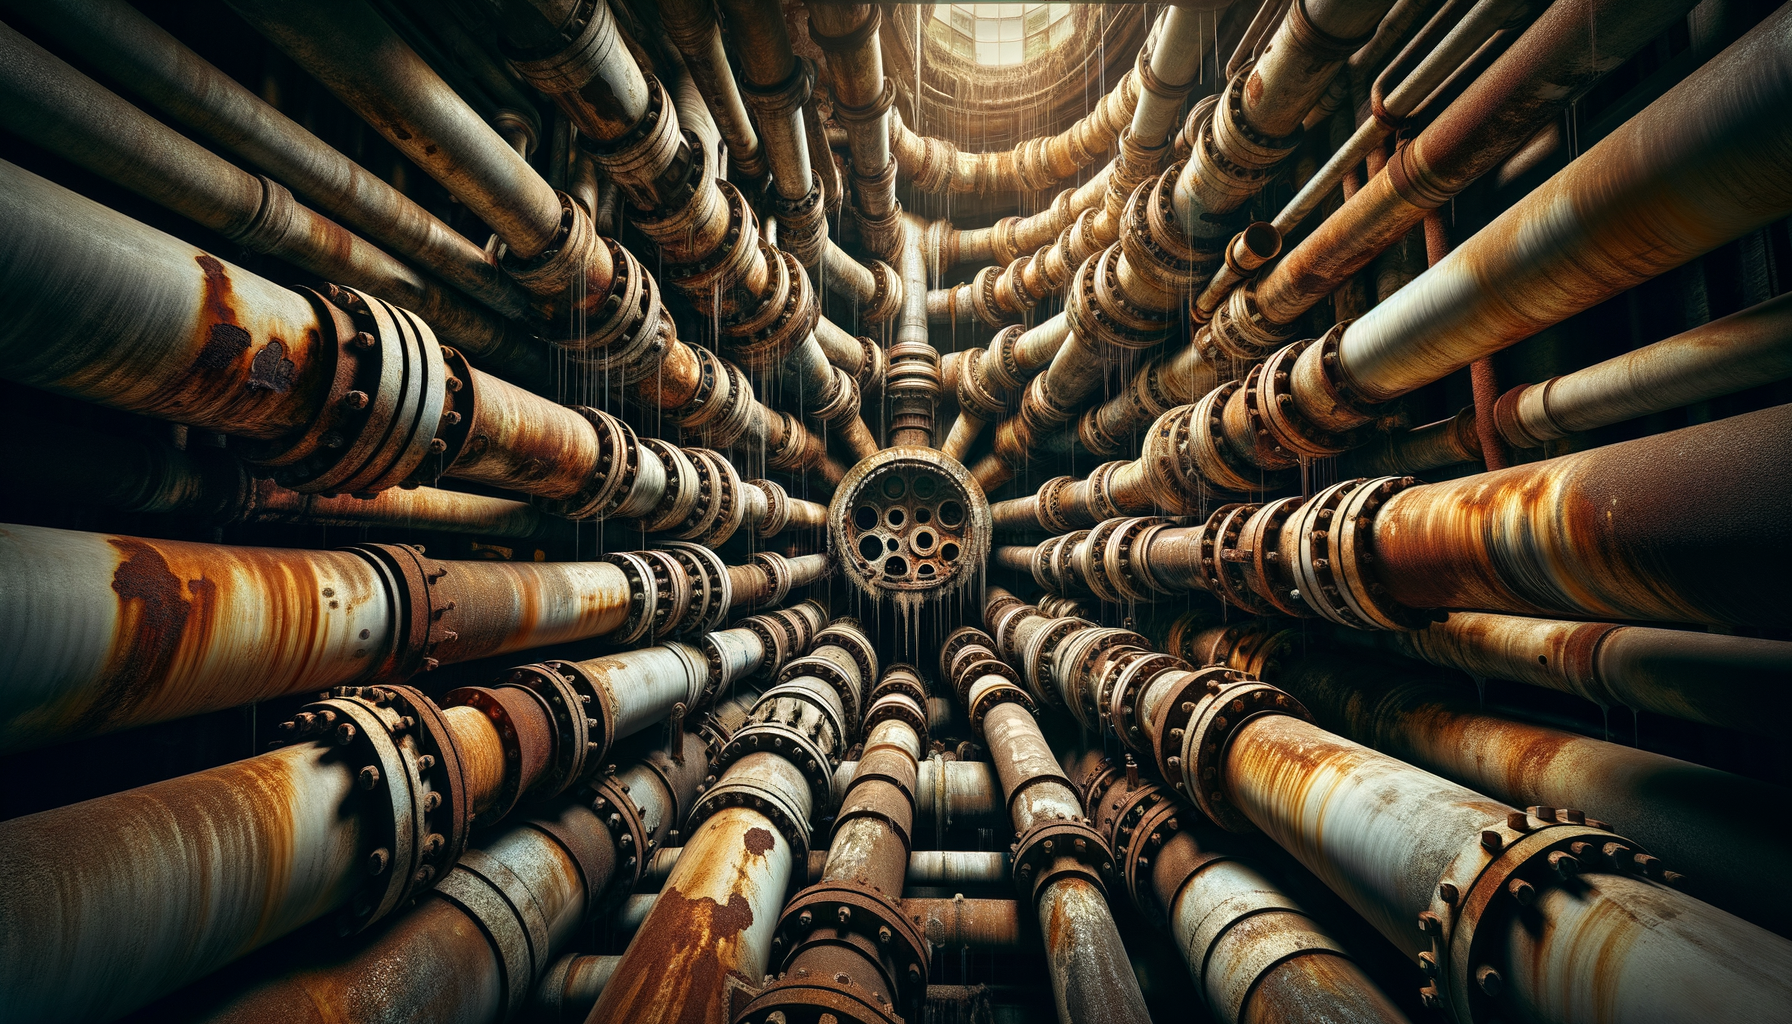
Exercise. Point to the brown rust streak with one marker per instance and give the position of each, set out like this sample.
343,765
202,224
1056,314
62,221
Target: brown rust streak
1660,528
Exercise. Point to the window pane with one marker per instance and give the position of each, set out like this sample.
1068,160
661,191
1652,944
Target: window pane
986,29
1008,29
987,52
1037,19
1011,53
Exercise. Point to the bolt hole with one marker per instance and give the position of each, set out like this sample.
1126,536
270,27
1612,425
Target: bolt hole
896,517
865,517
870,547
1542,659
951,513
895,566
949,551
894,544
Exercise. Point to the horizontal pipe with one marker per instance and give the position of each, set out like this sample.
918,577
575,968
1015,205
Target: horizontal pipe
1706,163
1709,825
1735,682
111,34
357,56
69,114
1392,832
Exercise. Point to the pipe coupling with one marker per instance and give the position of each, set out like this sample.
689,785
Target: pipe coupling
1333,536
1062,848
866,922
1216,718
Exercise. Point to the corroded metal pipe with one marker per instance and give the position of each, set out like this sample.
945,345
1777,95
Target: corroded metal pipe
949,795
1253,953
1736,682
1585,534
711,928
105,632
1062,864
71,115
692,27
474,947
1403,846
912,382
1705,823
139,474
845,944
112,35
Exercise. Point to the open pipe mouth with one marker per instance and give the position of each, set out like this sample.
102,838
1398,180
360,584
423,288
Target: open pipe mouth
914,514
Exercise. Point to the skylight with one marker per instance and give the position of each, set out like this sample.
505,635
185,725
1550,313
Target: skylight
1000,35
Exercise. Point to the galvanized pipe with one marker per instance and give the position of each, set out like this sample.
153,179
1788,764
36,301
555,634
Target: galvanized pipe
715,917
357,56
1736,682
1710,825
140,54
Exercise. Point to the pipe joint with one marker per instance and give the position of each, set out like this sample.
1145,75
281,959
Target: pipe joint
1216,718
866,922
422,800
1055,849
1331,541
651,162
803,223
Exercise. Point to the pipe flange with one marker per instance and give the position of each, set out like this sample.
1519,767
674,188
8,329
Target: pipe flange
903,679
1280,411
980,663
974,399
776,637
1126,559
1054,849
839,405
1240,330
1049,507
1497,875
1091,563
719,511
1336,534
643,597
1124,710
803,753
870,377
828,672
1260,559
405,857
1002,367
1039,658
852,914
571,67
522,743
385,402
596,698
898,707
628,830
777,570
1111,670
722,409
1005,622
1210,730
1172,463
1077,661
1230,560
986,692
638,159
720,267
886,294
678,497
713,592
846,634
1152,243
618,463
959,640
803,223
1177,710
777,509
1146,818
781,99
577,735
1213,457
675,590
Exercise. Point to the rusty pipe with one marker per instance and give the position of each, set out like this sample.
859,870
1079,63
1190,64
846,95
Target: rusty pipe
692,28
1731,354
1062,864
357,56
1672,171
1253,953
714,920
936,868
1404,847
69,114
111,34
1728,681
139,474
912,381
949,795
846,940
1705,823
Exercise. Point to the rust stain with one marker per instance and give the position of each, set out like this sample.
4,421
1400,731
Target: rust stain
758,841
220,295
680,962
270,370
223,347
153,618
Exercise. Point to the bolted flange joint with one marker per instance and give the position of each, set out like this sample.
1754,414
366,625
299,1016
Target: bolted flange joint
1216,718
